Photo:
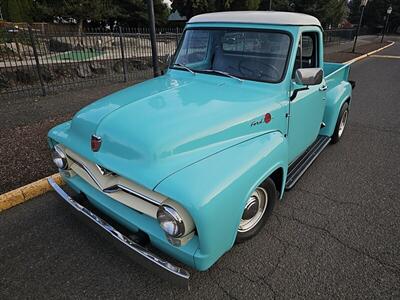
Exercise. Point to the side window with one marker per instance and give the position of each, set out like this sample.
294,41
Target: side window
308,46
307,52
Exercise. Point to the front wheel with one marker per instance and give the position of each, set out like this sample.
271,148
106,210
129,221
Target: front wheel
257,210
341,123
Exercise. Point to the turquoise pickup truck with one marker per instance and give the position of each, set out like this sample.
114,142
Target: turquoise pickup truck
189,163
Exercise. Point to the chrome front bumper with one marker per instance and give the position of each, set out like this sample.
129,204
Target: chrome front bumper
137,252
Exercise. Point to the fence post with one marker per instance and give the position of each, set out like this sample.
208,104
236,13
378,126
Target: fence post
122,54
38,69
152,25
177,37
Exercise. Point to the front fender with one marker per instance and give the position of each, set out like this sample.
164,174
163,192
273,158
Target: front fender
215,189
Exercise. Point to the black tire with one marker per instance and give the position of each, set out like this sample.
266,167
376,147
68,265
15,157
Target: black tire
337,134
272,195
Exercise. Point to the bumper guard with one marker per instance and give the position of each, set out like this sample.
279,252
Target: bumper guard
139,254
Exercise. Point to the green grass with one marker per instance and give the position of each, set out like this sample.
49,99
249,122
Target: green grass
78,55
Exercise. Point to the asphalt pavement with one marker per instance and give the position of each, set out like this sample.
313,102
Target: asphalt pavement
336,234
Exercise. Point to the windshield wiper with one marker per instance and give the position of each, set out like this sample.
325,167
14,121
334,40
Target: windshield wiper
185,67
223,73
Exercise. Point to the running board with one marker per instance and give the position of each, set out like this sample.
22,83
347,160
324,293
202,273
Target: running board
300,165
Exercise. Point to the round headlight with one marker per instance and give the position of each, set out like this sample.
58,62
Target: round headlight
170,221
59,157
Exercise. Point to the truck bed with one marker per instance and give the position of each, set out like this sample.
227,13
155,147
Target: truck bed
336,71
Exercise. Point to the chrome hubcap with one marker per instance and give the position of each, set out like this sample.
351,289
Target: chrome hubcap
254,210
343,122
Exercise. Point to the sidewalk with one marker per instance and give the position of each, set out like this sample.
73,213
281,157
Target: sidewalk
362,40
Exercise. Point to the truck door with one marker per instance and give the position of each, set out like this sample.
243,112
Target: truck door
307,109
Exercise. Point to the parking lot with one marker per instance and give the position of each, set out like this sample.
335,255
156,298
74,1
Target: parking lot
335,235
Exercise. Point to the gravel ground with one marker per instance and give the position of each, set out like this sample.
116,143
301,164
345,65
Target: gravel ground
25,122
25,156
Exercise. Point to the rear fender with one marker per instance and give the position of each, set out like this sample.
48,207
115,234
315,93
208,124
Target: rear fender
214,190
335,98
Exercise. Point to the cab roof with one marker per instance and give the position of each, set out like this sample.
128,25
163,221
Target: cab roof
257,17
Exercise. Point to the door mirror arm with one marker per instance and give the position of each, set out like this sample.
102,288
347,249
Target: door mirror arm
296,90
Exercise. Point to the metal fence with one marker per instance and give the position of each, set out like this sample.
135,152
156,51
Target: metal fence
38,62
33,62
338,36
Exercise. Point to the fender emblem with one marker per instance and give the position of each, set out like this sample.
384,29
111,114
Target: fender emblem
95,143
267,118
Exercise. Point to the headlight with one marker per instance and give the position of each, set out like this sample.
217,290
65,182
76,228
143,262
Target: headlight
59,157
170,221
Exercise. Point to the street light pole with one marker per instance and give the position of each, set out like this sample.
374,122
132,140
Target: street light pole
388,12
152,25
270,5
363,5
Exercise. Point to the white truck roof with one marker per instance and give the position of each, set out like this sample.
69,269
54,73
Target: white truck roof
258,17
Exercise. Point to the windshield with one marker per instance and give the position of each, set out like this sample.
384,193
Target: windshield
258,55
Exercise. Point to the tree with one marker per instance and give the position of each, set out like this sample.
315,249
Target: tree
375,14
279,5
80,10
329,12
16,10
126,12
134,12
190,8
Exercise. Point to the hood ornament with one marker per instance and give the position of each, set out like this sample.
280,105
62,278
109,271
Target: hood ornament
95,143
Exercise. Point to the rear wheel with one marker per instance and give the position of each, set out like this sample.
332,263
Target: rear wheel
257,210
341,123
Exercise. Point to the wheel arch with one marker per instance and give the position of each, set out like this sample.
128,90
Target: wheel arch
220,187
278,177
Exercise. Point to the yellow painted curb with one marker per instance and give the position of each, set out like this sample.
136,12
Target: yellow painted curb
27,192
367,54
386,56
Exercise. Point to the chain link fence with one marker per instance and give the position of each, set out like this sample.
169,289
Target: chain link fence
37,62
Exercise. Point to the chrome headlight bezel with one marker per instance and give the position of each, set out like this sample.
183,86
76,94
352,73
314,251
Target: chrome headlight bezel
170,221
60,157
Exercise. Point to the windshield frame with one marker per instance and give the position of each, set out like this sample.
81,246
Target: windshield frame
288,33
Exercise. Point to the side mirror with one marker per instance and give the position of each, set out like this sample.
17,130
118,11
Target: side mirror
309,76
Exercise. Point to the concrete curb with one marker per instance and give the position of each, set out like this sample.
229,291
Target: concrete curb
352,61
27,192
37,188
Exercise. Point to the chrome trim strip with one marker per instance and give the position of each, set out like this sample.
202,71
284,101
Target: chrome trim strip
142,255
114,188
86,169
120,187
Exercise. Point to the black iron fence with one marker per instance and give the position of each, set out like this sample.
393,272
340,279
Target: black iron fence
35,62
338,36
38,62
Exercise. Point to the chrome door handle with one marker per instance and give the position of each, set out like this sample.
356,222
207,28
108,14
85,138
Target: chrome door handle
323,88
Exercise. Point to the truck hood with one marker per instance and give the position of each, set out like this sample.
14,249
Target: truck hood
153,129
